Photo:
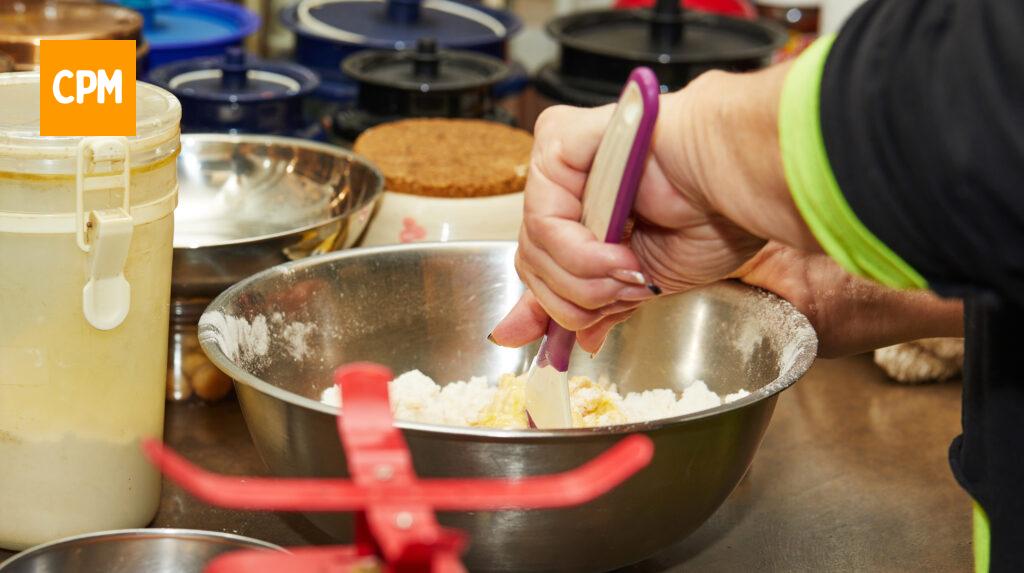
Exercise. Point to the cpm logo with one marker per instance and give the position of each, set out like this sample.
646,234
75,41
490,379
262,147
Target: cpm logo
86,87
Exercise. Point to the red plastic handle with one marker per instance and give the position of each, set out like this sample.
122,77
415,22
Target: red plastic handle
334,559
573,487
739,8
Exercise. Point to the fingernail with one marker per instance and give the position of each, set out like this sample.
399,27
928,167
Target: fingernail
628,276
654,288
636,293
490,338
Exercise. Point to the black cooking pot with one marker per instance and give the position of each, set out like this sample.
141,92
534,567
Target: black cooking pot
600,48
421,82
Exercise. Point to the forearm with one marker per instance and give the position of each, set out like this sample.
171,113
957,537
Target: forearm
874,316
850,314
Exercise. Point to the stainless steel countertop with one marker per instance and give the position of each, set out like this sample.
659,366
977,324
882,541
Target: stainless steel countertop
852,475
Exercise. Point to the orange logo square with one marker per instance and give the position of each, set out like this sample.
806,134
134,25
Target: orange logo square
87,87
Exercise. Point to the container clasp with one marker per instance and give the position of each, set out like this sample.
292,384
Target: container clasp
105,234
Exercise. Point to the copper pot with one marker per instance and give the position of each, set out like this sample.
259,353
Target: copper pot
23,23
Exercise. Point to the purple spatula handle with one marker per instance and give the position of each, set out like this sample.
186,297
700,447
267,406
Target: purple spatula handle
557,345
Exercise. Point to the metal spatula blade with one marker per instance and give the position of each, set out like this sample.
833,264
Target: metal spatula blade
607,202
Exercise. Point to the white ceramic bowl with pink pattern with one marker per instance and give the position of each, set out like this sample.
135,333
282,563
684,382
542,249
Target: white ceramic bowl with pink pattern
406,218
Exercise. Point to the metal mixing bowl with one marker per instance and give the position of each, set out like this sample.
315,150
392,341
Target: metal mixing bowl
430,306
131,551
245,204
249,202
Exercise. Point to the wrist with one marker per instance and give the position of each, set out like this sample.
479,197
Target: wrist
730,158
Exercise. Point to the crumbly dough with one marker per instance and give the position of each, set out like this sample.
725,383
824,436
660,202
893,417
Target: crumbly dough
416,397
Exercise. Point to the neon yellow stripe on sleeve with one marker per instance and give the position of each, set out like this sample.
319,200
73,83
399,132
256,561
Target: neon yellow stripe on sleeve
813,185
982,540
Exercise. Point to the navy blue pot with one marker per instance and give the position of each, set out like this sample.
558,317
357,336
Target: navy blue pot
388,25
236,94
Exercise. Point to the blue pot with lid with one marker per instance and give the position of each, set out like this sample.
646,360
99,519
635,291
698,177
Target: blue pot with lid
328,31
237,93
185,29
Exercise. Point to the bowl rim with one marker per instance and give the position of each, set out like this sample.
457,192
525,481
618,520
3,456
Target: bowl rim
236,138
806,352
141,532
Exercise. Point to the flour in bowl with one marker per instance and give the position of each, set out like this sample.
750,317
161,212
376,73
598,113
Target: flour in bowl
417,398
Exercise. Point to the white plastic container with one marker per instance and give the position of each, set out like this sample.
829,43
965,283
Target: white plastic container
86,231
405,218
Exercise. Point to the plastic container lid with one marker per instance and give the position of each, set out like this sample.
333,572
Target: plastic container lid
398,23
183,24
24,24
235,78
23,150
425,69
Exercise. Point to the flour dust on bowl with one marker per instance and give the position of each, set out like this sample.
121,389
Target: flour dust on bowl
85,271
281,333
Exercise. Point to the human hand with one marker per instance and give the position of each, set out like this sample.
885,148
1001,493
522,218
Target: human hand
710,196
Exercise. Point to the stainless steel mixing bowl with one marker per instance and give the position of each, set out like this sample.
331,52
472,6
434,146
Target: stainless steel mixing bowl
131,551
249,202
245,204
430,306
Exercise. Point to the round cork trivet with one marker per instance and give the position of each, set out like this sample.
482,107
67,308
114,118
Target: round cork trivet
448,157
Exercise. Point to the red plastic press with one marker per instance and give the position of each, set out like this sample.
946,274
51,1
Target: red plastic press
396,528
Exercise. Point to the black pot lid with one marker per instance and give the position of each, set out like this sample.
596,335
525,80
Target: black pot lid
425,68
666,35
398,22
235,77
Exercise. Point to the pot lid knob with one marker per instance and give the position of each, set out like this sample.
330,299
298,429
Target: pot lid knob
666,25
426,62
235,70
403,11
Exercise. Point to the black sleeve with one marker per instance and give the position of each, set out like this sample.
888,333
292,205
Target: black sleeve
922,110
922,113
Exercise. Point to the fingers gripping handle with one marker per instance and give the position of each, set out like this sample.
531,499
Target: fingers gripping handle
612,183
